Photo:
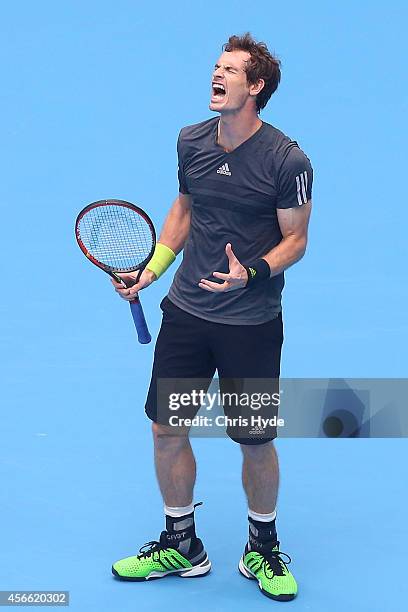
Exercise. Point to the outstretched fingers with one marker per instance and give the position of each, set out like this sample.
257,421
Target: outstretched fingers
211,286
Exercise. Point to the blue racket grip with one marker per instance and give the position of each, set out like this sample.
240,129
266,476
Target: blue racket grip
143,334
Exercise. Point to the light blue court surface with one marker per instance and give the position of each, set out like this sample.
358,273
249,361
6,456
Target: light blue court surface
93,96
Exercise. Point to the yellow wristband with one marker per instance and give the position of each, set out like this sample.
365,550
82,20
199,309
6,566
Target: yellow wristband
162,259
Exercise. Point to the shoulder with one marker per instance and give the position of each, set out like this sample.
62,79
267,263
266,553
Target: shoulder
198,131
196,137
282,145
285,149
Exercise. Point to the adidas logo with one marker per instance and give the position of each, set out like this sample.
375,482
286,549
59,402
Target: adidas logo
257,430
224,169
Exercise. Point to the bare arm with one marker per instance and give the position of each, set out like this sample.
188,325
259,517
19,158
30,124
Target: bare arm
174,235
177,224
293,223
293,206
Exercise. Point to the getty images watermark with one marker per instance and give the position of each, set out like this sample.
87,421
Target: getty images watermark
295,407
234,406
197,398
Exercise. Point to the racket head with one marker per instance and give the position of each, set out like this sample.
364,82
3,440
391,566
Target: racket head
115,235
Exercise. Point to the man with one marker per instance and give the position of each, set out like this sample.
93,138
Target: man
241,217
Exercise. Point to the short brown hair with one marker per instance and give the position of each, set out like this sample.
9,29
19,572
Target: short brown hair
261,65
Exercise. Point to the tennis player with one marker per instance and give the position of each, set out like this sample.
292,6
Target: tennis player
241,218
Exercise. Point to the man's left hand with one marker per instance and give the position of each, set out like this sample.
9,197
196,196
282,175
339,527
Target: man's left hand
237,277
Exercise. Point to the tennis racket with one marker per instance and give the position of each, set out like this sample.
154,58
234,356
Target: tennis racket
117,237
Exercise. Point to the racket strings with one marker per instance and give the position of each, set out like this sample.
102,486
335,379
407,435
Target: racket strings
116,236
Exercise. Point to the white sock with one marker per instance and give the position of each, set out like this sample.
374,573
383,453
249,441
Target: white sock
177,511
265,518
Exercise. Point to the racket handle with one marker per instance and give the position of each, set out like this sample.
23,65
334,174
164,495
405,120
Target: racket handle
143,334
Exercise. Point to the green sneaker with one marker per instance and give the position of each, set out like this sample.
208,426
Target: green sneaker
157,560
269,569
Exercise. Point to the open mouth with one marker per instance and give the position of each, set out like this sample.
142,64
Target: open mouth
218,92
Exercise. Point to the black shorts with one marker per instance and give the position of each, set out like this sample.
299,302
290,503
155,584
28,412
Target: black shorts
245,356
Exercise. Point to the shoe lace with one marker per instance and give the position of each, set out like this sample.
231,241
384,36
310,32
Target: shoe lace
149,549
273,563
156,546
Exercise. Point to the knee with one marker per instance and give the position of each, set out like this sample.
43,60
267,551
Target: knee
164,437
255,451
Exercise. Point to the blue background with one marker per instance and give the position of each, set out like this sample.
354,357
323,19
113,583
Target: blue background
93,97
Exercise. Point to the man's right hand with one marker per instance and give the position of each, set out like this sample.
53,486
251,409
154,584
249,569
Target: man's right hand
130,292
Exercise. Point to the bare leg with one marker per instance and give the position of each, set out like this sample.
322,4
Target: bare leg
260,476
175,465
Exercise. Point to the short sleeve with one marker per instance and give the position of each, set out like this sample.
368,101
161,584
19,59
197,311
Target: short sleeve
181,176
295,180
